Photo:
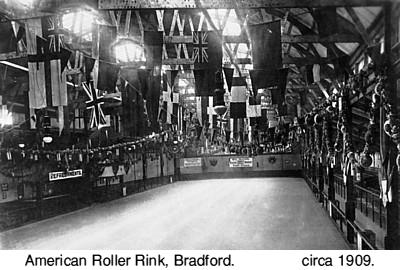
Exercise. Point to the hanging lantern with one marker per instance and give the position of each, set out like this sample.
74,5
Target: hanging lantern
365,160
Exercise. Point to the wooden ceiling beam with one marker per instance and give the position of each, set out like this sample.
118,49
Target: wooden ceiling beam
12,55
342,38
359,26
374,30
242,4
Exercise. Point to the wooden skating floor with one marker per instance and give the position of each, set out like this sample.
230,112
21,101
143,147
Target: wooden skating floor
253,213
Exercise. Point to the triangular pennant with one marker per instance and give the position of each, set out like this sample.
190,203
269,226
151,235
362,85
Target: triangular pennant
228,72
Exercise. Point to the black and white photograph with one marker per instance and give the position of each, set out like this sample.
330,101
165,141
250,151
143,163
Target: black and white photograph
258,125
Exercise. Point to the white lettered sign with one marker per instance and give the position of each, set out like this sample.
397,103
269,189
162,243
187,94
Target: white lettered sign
54,176
241,162
191,162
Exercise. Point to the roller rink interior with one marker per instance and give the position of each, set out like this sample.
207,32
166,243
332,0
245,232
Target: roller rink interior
252,213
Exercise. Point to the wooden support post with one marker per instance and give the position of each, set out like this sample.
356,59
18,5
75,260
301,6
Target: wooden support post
331,179
392,239
144,167
350,205
320,180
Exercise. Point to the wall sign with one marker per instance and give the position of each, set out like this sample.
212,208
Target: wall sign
4,187
191,162
241,162
53,176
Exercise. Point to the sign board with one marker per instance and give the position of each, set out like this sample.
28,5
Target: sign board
53,176
241,162
4,187
191,162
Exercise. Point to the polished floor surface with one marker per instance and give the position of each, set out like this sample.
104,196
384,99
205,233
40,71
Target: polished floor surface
254,213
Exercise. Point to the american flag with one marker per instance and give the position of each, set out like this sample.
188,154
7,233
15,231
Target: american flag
97,118
200,47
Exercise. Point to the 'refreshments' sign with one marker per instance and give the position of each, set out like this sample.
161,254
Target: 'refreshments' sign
191,162
54,176
241,162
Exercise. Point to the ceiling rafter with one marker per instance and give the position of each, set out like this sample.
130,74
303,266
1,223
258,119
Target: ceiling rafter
243,4
374,30
227,49
359,26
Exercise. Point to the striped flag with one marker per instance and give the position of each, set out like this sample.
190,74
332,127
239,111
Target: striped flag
205,112
170,99
46,53
238,98
253,110
78,122
37,81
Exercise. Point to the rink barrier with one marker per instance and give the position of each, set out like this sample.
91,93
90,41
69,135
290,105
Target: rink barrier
228,166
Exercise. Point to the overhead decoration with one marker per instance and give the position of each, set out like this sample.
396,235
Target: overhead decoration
47,60
170,98
133,89
153,42
266,46
391,127
206,114
238,98
97,118
106,76
228,72
207,57
253,110
275,82
8,38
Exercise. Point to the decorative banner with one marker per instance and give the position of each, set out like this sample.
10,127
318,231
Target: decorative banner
191,162
241,162
54,176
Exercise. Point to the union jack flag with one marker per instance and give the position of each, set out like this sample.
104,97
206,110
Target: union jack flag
200,47
54,35
97,118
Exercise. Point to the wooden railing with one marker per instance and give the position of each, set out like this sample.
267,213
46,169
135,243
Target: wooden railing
371,205
360,238
340,187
